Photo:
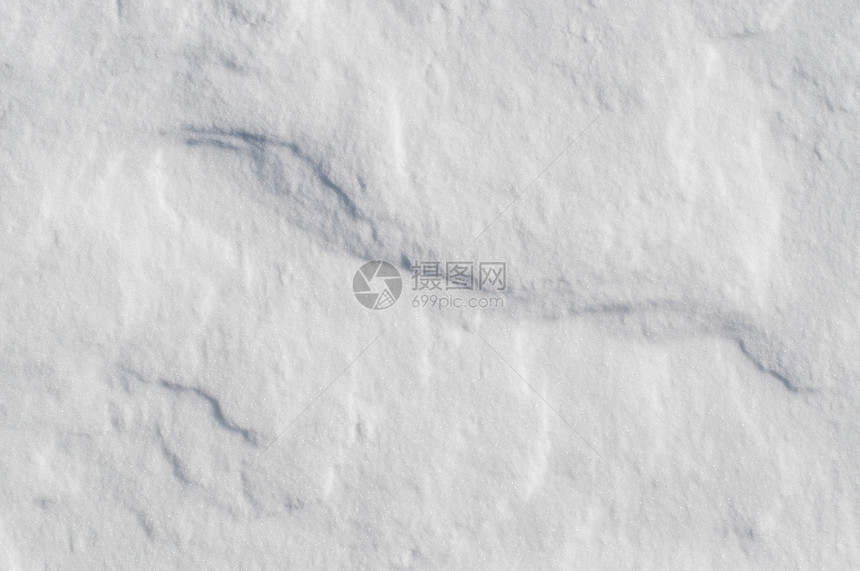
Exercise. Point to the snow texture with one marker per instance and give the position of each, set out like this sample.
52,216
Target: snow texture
187,380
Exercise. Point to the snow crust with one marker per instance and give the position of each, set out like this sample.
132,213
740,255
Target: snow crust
188,381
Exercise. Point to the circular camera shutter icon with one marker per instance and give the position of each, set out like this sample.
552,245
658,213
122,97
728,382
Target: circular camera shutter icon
377,285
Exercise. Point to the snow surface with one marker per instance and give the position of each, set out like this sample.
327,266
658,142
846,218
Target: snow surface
188,381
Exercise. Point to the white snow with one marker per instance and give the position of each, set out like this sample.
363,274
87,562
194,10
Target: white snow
188,381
